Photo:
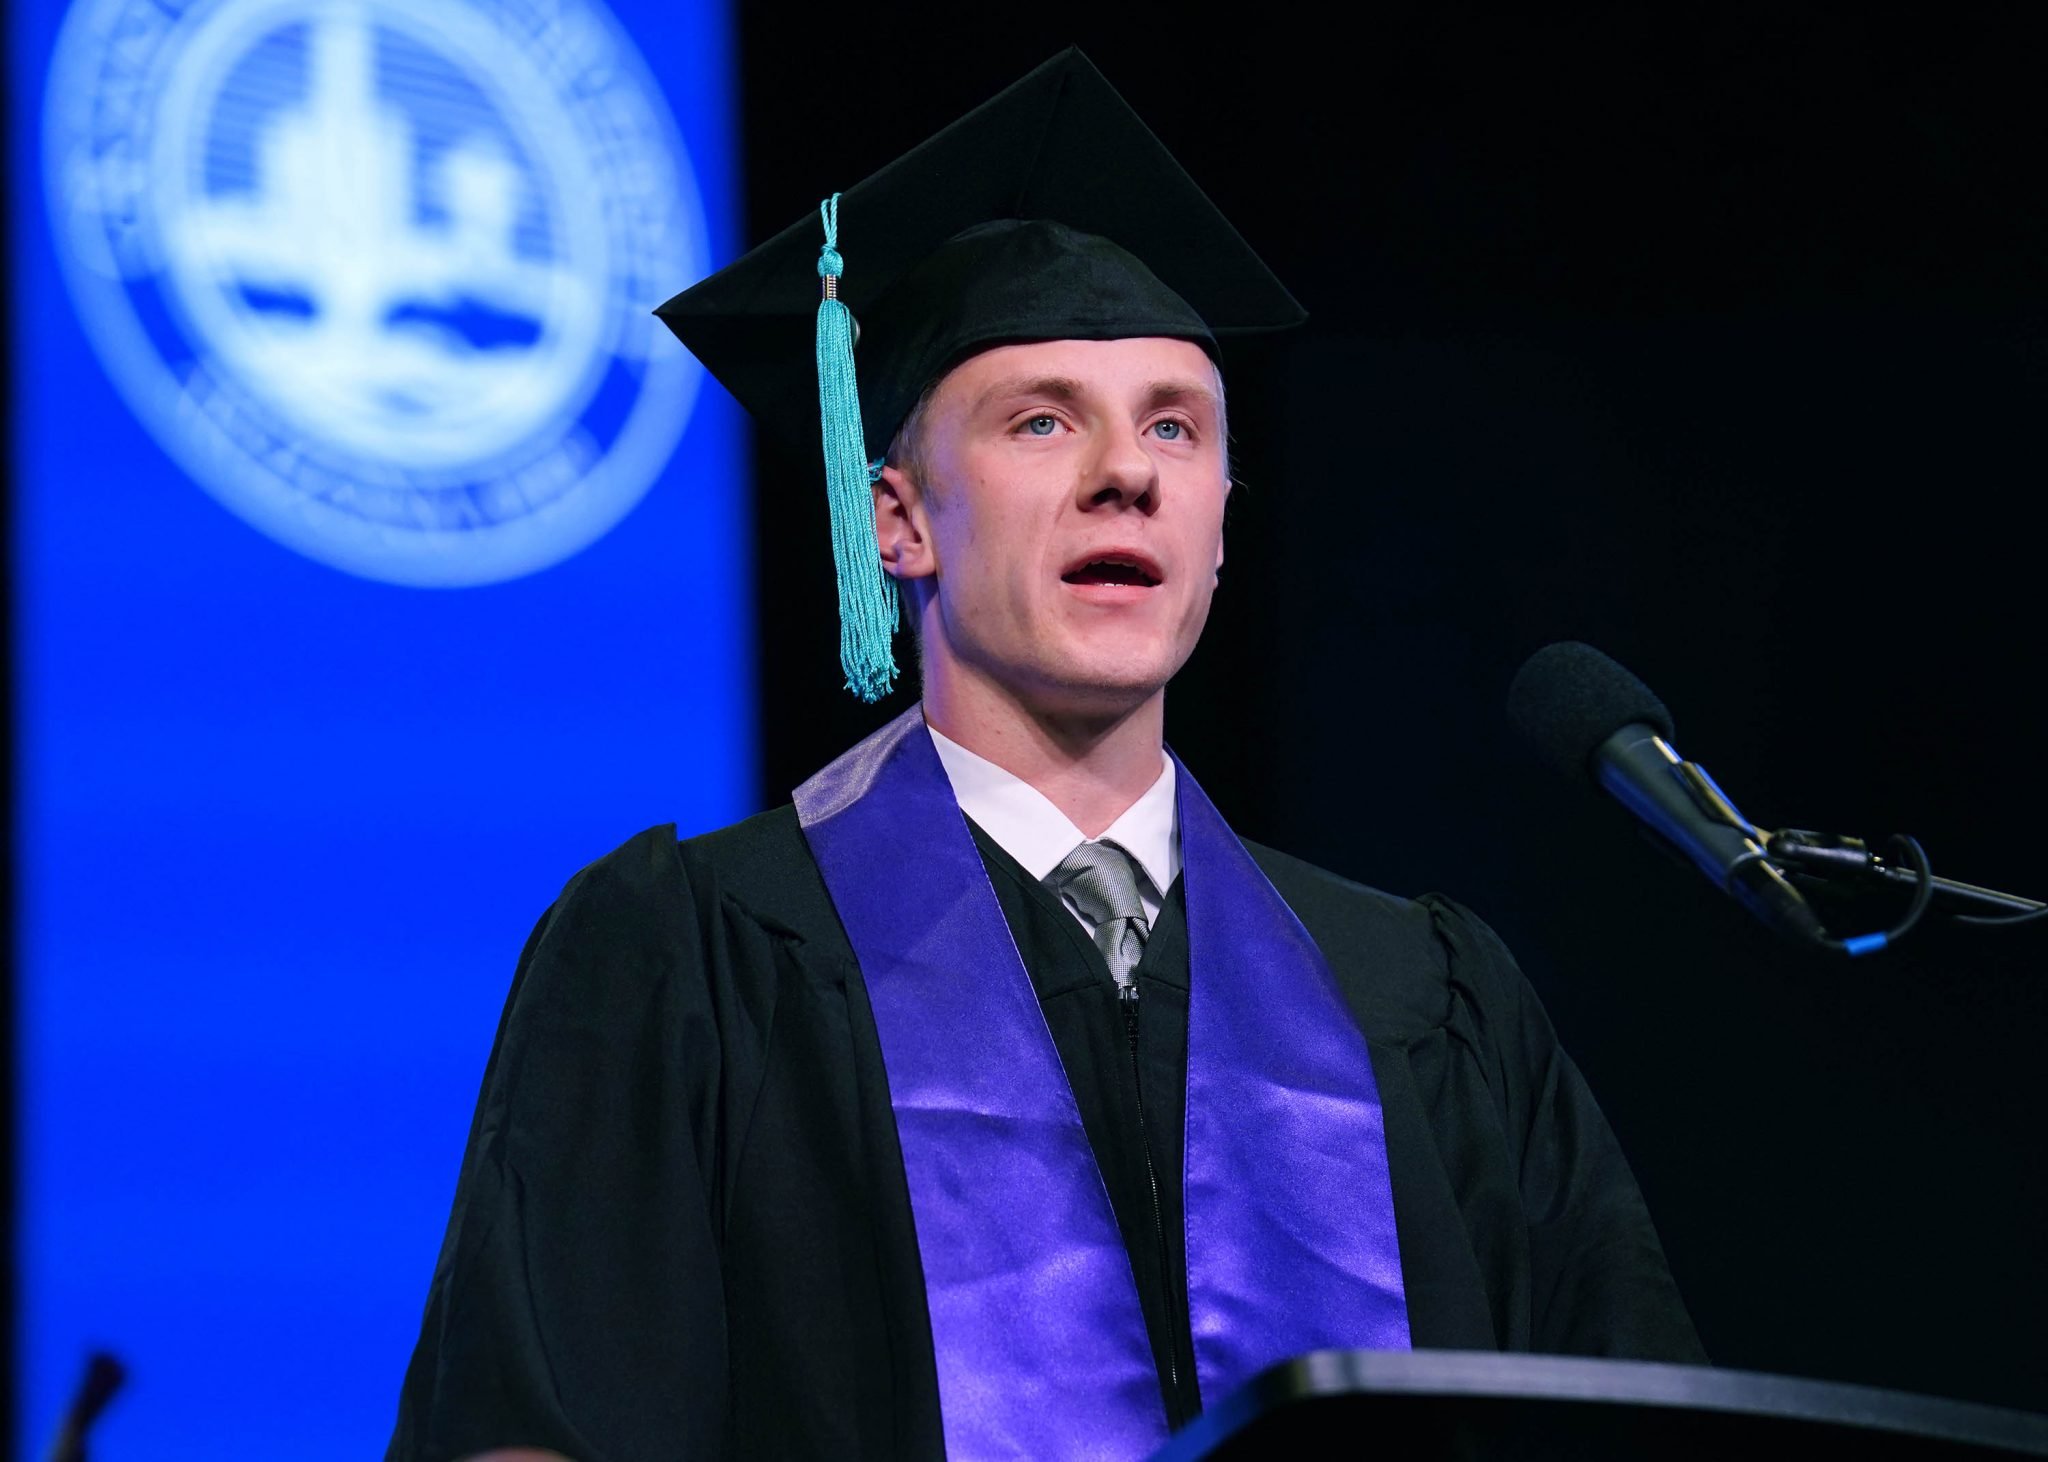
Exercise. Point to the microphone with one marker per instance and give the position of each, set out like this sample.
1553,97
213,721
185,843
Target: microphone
1590,717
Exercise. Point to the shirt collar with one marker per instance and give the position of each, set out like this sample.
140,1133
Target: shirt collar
1026,825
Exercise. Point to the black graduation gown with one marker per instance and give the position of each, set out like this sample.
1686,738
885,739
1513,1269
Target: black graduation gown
682,1228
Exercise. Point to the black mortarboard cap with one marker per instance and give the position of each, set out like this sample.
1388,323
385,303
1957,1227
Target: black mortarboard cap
1050,212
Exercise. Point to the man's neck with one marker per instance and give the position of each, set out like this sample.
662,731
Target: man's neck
1090,766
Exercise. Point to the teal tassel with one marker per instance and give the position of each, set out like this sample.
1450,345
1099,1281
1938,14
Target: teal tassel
867,597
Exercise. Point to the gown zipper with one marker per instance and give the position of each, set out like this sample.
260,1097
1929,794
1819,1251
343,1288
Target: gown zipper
1127,1001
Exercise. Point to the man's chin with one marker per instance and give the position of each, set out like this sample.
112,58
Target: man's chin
1102,688
1089,676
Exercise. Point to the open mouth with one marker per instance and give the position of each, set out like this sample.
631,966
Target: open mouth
1114,568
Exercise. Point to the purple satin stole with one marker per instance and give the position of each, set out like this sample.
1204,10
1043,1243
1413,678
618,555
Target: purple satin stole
1040,1343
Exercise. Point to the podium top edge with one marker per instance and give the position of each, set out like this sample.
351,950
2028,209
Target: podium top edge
1626,1383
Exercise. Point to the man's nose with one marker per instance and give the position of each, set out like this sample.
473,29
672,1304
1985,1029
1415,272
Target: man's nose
1123,472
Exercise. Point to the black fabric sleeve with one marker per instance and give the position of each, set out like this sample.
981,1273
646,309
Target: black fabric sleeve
577,1300
1598,1280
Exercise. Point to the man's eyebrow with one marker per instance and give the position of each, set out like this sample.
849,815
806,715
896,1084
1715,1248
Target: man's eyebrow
1066,388
1056,388
1181,391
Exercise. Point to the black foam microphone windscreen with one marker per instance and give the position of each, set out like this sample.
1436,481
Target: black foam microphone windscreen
1568,698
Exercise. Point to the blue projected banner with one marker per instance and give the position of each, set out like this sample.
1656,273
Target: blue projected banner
378,561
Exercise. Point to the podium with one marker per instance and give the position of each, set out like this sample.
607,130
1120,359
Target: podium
1473,1406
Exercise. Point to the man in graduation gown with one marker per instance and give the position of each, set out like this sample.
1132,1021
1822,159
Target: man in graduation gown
994,1099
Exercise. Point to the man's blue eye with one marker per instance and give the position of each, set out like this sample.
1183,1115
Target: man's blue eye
1169,430
1041,426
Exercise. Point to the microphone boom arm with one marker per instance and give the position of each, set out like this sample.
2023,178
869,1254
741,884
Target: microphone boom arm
1829,856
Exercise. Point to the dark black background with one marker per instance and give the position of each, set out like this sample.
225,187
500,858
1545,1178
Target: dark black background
1717,337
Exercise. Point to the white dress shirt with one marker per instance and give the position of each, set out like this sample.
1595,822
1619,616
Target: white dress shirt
1027,826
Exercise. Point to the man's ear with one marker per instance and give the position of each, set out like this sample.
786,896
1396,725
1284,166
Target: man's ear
902,529
1228,484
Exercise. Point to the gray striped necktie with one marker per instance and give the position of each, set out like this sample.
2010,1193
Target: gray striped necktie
1098,879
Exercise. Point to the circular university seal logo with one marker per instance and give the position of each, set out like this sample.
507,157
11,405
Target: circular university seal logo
378,273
